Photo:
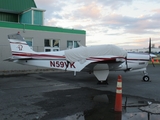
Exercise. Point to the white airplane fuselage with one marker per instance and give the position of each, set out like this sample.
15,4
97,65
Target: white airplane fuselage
133,61
98,59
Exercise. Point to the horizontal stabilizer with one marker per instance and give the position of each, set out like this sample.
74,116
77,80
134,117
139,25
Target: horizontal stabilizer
11,59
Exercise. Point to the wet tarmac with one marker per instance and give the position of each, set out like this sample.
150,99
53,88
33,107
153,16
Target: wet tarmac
101,111
60,96
100,107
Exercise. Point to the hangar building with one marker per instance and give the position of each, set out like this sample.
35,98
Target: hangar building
23,16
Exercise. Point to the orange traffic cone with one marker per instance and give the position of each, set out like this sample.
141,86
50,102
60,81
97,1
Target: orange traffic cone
118,101
157,61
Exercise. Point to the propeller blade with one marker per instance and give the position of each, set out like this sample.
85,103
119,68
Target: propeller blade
150,52
149,45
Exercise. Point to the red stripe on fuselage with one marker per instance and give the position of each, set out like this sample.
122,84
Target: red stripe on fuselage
32,55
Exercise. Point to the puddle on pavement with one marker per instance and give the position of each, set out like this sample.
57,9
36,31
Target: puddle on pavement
103,110
140,116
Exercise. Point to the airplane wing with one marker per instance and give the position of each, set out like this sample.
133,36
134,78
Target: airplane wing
107,59
102,54
101,65
113,62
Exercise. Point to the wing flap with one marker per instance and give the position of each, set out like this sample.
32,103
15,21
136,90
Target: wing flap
108,59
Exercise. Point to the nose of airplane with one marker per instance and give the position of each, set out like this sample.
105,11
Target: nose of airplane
153,56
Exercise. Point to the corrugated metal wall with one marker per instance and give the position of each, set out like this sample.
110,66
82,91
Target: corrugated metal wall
9,9
8,17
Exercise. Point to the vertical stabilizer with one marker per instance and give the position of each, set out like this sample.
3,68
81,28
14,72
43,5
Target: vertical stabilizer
19,47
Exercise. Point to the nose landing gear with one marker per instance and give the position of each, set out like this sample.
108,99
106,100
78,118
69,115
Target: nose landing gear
145,77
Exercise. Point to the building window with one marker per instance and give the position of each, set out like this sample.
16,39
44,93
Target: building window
72,44
47,43
51,45
29,41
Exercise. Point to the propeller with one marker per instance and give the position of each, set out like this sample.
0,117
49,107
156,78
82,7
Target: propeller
150,52
149,46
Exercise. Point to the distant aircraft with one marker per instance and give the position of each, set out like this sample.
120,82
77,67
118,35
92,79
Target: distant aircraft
98,60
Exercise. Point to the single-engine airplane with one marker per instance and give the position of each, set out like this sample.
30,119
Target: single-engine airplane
98,59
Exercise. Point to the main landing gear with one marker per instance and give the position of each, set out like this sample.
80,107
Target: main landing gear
145,77
102,82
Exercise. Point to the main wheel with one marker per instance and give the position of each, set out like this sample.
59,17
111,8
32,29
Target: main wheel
103,82
146,78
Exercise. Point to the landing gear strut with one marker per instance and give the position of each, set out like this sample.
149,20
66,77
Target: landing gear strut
102,82
145,77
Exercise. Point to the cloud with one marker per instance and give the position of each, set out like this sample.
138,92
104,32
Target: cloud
135,25
146,25
156,10
117,21
91,10
115,4
47,2
51,22
51,7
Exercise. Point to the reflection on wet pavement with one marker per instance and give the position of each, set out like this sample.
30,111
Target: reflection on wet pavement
77,116
93,105
140,116
103,111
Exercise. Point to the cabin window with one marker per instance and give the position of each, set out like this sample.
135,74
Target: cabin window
72,44
51,45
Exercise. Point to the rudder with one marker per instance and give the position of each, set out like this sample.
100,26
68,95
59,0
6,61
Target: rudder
19,47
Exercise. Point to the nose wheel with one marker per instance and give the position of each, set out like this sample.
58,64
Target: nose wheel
146,78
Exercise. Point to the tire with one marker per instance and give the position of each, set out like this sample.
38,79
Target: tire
146,78
103,82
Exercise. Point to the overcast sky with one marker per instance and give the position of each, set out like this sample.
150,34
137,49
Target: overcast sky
126,23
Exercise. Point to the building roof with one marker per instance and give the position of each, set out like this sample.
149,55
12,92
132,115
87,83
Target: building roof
16,6
40,28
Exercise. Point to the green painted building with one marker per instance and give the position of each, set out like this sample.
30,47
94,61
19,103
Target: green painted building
21,11
23,16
